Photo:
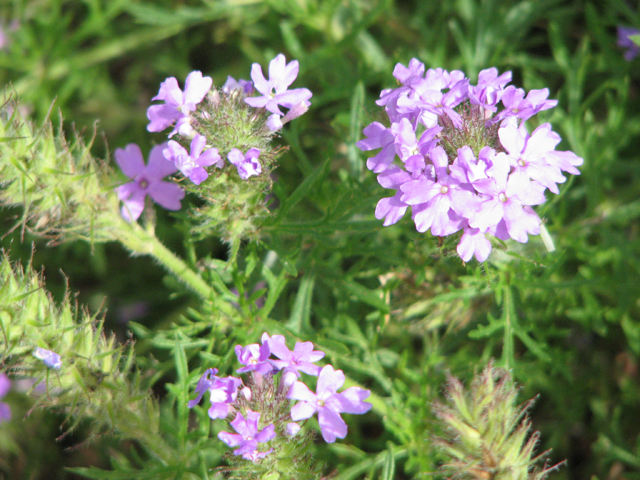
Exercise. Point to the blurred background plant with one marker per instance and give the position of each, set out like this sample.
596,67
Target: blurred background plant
392,307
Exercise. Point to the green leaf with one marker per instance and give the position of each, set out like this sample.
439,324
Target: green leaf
389,467
300,319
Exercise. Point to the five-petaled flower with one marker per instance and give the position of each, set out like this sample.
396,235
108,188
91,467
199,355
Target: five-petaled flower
247,165
248,436
192,164
147,180
178,104
328,403
274,91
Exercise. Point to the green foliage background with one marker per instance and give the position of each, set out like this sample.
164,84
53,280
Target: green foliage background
391,307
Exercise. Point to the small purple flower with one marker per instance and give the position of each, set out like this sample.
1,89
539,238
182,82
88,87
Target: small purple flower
247,165
378,136
274,90
147,179
516,105
489,89
625,42
222,393
300,360
49,358
5,386
328,403
232,84
292,429
178,104
191,164
255,357
203,385
473,242
248,436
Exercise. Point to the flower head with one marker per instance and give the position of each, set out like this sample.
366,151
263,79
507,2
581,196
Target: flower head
192,164
274,91
147,180
328,403
49,358
248,436
178,104
463,164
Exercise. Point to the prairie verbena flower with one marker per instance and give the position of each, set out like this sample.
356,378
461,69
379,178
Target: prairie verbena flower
248,436
247,165
464,165
49,358
147,180
178,104
328,403
222,393
632,49
192,163
5,386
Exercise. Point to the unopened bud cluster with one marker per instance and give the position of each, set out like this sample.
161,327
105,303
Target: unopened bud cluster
267,438
221,142
464,165
487,434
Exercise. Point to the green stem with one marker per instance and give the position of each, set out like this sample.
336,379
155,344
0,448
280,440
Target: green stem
144,242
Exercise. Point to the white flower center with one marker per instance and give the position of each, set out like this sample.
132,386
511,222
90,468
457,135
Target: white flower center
521,162
502,197
444,189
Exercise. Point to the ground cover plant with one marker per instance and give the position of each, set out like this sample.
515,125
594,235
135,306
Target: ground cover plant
205,204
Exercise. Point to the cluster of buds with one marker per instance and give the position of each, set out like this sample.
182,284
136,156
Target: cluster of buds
266,425
464,165
487,435
212,128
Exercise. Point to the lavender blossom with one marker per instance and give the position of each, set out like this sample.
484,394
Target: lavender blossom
147,180
192,164
300,360
274,91
248,436
247,165
464,164
5,386
255,358
231,85
328,403
632,49
49,358
178,104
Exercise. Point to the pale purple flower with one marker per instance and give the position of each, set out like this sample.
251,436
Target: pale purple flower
632,50
442,204
274,90
516,105
247,165
328,403
192,164
49,358
392,209
178,104
204,383
248,436
255,358
300,360
5,386
439,103
503,199
147,180
274,122
292,429
378,136
527,154
488,91
473,242
245,86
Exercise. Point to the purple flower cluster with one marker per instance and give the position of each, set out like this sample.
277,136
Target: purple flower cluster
257,359
178,111
464,165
